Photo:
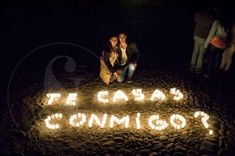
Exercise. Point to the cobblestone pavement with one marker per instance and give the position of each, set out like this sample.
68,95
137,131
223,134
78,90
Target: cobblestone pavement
191,140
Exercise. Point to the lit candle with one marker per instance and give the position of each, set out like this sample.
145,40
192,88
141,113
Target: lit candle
124,120
71,99
137,120
101,96
94,118
204,118
158,95
77,116
180,118
138,95
120,95
177,94
53,97
159,124
48,123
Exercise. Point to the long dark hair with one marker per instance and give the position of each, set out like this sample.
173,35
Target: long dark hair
108,47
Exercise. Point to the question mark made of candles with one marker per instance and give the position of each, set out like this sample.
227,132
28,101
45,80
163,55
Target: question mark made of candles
204,119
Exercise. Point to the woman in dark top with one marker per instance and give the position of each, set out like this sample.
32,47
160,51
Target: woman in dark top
109,61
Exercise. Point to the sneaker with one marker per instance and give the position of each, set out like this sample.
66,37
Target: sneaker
129,80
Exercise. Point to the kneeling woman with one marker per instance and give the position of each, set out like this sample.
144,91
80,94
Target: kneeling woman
108,61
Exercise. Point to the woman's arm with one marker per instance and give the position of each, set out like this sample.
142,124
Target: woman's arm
212,33
107,62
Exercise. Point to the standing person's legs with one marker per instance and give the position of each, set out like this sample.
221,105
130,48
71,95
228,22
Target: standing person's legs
131,70
202,51
195,53
217,59
122,74
230,57
209,60
224,60
228,64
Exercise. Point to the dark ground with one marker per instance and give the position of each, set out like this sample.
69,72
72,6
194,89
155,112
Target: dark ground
164,37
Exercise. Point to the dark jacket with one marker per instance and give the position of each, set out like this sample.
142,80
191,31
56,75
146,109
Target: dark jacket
106,55
132,55
204,21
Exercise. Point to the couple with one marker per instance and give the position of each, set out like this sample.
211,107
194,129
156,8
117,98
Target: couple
118,60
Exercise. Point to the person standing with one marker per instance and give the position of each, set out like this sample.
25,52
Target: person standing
127,59
229,51
204,21
216,43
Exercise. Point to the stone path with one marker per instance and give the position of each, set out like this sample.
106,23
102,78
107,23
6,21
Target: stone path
192,140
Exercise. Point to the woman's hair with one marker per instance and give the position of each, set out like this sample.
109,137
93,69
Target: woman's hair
108,45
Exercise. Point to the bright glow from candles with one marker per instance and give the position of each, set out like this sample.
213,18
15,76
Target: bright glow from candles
125,120
177,121
97,121
138,95
158,95
120,95
101,96
180,118
154,122
71,99
137,120
177,94
53,97
211,132
158,125
204,118
77,116
48,123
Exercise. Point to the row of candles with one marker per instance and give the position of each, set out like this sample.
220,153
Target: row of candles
177,121
119,96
